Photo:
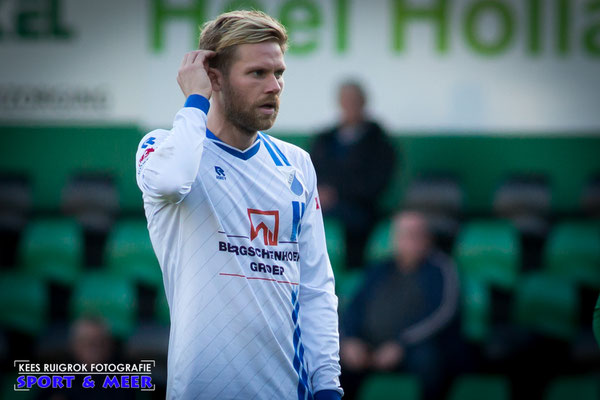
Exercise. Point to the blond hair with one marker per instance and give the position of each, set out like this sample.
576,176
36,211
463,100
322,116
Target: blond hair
231,29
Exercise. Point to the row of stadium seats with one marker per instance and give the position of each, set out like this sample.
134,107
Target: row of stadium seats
476,387
25,302
406,387
488,250
93,199
486,253
491,250
543,304
524,199
548,301
54,248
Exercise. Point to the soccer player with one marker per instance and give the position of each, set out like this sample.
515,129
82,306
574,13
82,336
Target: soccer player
235,222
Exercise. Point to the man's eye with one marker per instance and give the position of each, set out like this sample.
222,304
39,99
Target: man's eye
258,73
278,74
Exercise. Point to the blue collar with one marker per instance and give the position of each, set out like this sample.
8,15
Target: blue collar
244,155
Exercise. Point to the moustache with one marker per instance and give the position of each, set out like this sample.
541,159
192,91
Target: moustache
270,102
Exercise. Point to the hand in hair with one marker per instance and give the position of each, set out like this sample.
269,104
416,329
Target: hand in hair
193,73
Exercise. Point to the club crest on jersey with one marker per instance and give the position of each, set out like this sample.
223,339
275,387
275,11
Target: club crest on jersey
295,185
266,223
220,173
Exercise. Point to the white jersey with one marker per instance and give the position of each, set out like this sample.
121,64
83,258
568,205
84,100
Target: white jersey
240,241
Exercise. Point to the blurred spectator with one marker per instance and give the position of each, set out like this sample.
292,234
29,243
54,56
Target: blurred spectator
90,342
396,320
354,162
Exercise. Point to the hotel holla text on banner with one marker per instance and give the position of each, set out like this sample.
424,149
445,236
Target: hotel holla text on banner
485,65
65,376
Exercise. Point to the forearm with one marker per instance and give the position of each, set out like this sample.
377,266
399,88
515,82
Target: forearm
321,338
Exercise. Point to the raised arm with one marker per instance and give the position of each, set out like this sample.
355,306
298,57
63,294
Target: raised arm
167,161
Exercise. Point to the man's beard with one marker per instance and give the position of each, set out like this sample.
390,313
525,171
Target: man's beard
247,117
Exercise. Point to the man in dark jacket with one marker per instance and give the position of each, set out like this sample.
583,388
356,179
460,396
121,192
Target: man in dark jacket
396,320
354,162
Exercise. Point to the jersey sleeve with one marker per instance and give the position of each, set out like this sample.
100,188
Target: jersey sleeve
167,161
318,302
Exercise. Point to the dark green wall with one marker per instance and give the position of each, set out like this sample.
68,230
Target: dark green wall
50,154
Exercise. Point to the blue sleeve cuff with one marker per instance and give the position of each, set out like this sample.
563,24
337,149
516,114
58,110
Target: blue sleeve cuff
327,395
198,101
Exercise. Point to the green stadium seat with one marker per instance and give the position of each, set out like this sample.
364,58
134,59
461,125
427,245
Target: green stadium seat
381,244
570,388
129,253
476,387
52,249
107,296
547,305
476,312
573,252
23,303
379,386
347,283
336,244
489,251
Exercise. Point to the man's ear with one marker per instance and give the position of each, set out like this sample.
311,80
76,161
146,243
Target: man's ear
216,78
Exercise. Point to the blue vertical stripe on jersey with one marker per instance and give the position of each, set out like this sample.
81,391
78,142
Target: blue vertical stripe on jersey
268,139
303,204
303,390
295,219
298,209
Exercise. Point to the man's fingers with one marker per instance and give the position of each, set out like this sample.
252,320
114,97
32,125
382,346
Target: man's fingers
193,56
203,56
186,56
197,56
189,57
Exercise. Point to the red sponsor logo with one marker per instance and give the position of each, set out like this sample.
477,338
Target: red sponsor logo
265,222
146,154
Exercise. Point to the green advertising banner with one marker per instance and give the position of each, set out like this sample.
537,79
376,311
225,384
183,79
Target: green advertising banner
428,65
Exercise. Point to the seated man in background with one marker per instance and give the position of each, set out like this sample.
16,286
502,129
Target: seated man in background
396,319
90,342
354,162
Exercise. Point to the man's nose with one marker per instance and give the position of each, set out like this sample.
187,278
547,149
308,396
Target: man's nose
273,85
